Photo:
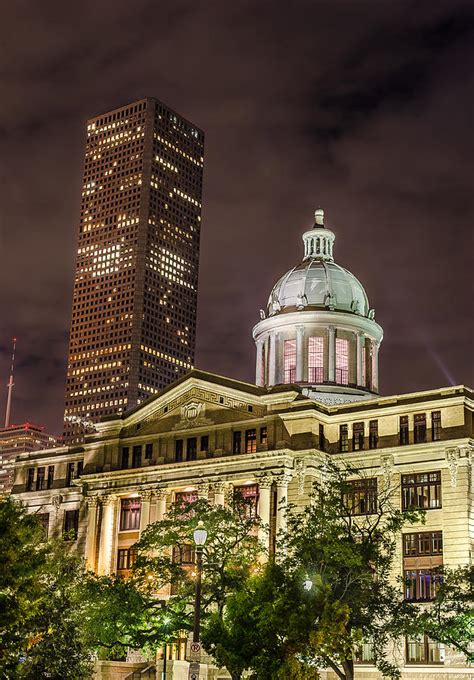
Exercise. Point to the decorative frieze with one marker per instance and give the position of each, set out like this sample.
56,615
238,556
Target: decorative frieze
452,458
300,473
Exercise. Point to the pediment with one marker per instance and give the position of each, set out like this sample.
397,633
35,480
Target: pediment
197,406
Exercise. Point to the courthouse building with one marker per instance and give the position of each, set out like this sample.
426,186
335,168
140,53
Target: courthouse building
316,396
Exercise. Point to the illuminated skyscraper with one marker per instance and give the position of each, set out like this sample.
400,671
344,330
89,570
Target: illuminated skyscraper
133,322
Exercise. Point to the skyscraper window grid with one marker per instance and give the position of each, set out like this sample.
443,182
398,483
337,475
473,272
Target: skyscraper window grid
134,306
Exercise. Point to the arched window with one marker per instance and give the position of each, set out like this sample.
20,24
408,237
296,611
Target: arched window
342,361
316,360
289,361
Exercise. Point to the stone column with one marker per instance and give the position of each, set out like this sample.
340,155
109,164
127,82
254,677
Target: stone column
107,537
259,370
272,361
219,493
145,509
161,496
91,535
282,482
375,366
299,353
360,358
203,490
264,491
332,354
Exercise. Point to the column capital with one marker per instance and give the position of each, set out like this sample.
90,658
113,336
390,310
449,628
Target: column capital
109,499
283,478
146,494
218,486
265,480
161,493
202,489
92,501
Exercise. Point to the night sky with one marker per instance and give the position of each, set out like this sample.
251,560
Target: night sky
364,108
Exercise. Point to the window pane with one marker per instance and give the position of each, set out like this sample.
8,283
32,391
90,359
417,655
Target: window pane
342,361
289,361
316,360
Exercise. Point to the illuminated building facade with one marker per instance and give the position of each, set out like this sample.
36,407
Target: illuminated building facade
16,439
210,436
133,322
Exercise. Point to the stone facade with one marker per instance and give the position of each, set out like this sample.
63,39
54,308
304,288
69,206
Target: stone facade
208,434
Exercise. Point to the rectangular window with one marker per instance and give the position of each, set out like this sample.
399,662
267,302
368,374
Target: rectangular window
404,432
364,367
361,497
420,428
422,490
183,497
178,450
70,474
237,442
191,448
423,543
358,437
130,514
148,451
50,476
373,434
126,558
316,360
322,443
422,650
365,653
343,439
263,435
436,425
205,443
30,479
421,585
184,554
137,456
249,494
289,361
125,451
342,361
250,441
71,523
44,521
40,479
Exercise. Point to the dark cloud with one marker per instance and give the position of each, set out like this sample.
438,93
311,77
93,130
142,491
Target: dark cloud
364,108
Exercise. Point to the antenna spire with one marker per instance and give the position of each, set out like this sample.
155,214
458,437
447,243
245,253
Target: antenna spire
10,386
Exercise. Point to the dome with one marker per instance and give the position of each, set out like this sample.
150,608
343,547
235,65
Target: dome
318,283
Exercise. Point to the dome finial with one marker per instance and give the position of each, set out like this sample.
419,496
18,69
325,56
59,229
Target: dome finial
319,217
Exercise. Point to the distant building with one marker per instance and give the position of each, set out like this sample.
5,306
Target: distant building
133,322
17,439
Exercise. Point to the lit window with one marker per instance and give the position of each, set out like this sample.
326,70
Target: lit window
436,425
342,361
250,441
130,514
289,361
316,360
249,495
421,649
422,490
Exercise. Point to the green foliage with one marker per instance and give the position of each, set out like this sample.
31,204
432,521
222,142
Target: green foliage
450,617
230,554
41,625
23,557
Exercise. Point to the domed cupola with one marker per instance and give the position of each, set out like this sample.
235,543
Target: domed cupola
318,329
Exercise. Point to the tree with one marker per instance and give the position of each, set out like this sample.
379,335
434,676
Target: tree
450,617
231,552
23,556
276,628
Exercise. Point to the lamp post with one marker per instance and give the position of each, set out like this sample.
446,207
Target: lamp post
307,583
166,621
200,537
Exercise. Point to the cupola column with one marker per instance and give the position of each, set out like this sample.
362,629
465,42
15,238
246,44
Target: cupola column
259,369
360,357
375,366
273,359
299,353
332,354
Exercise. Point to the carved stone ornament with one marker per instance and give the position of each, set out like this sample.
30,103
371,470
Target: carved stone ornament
265,481
386,464
283,479
92,502
218,487
203,489
300,471
452,457
146,495
161,493
193,415
56,502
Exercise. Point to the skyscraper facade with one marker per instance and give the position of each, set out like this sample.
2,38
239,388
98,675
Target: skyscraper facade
133,321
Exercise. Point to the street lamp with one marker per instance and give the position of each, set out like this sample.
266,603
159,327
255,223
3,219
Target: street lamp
166,622
307,583
200,537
